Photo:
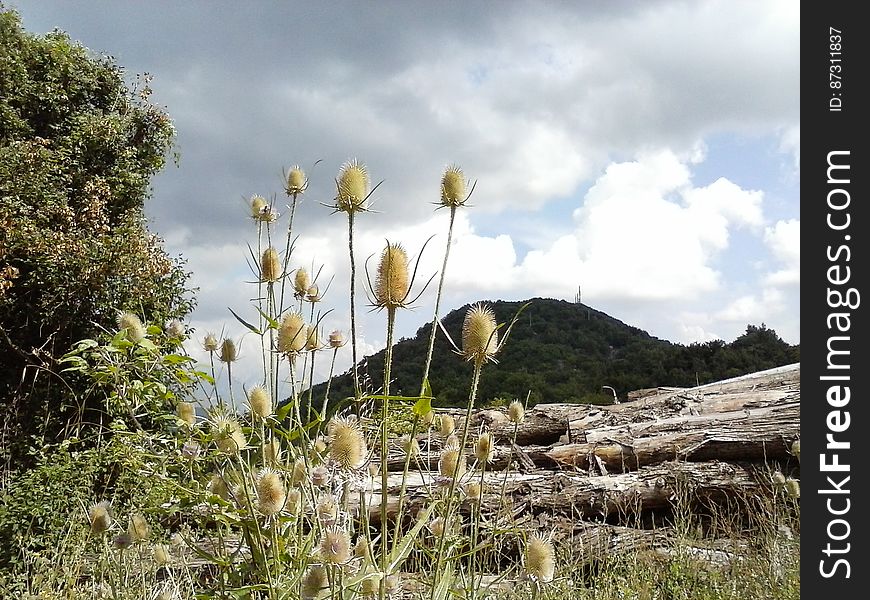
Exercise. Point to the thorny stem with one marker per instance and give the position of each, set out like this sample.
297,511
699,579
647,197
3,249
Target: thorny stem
287,249
328,383
356,389
388,359
438,296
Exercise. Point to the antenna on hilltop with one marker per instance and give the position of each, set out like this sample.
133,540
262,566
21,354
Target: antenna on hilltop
577,296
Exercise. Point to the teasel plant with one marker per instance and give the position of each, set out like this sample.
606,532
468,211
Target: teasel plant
391,290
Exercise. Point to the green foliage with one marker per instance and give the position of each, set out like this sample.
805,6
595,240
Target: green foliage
565,352
77,150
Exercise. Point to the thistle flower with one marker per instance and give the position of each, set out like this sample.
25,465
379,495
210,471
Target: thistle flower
301,282
315,583
271,494
453,185
133,326
336,339
228,434
138,529
516,412
175,329
210,342
270,265
296,181
393,282
451,463
479,335
258,207
161,555
292,334
229,354
260,402
186,412
100,517
484,448
446,425
540,558
347,445
335,546
352,186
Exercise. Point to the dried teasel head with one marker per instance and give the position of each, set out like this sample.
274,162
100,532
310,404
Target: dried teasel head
451,463
210,342
293,503
292,334
260,402
446,425
516,412
229,353
272,452
320,476
227,433
453,187
336,339
187,412
796,449
335,547
312,344
296,182
138,529
327,509
161,555
270,265
393,280
271,493
484,448
301,282
347,444
175,329
259,207
473,490
479,335
315,583
100,517
540,558
132,325
312,294
352,185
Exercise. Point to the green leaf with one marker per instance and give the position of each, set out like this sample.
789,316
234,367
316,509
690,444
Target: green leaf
401,550
423,406
245,323
273,323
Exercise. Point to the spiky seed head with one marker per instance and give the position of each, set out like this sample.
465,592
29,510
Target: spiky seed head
540,558
210,342
175,329
796,448
479,335
437,526
229,354
453,186
347,444
335,548
167,591
315,583
270,265
312,344
312,294
371,585
778,479
258,207
353,187
122,541
391,584
361,549
336,339
793,488
133,325
516,412
451,443
272,452
393,281
484,448
294,501
187,412
271,493
292,334
260,402
327,509
320,445
227,433
452,463
138,529
410,445
100,517
301,282
218,486
191,449
320,476
446,425
296,182
473,490
429,419
161,555
300,472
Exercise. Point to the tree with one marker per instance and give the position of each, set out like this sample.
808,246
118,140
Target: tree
78,147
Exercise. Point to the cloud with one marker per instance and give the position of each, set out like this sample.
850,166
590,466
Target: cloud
783,240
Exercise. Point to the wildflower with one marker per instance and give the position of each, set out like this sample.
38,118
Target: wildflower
138,529
132,325
392,283
175,329
296,181
190,449
315,582
122,541
347,445
451,463
479,336
271,494
516,412
292,334
229,354
335,546
100,517
228,434
186,412
352,187
210,342
540,561
260,402
453,187
270,265
484,448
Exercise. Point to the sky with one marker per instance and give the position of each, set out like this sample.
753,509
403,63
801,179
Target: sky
646,153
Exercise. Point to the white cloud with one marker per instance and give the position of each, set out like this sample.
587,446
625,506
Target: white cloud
783,240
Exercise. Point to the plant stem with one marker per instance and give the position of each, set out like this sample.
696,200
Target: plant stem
438,297
388,359
356,389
